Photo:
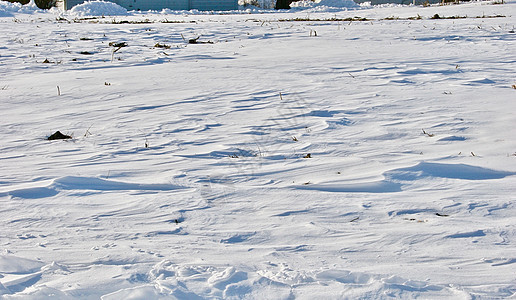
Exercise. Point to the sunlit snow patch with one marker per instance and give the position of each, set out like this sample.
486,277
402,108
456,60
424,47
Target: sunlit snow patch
98,8
18,265
16,273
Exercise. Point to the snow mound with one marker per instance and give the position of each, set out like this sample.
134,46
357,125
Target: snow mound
325,3
166,281
18,265
98,8
7,9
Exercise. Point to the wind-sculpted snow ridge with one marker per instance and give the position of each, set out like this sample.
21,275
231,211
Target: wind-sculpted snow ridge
81,183
84,183
18,273
396,179
302,154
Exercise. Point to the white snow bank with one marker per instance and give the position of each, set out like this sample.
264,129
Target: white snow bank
165,281
14,264
325,4
7,9
98,8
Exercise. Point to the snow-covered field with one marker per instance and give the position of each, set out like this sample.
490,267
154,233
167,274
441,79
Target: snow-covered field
284,155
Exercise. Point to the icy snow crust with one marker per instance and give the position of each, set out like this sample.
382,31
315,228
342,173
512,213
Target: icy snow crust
321,158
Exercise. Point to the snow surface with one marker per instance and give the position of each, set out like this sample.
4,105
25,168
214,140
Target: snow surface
285,155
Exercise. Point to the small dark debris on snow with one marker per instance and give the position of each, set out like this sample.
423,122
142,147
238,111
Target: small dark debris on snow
308,156
46,61
196,41
164,46
428,134
86,39
86,53
441,215
118,45
58,136
355,219
146,21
